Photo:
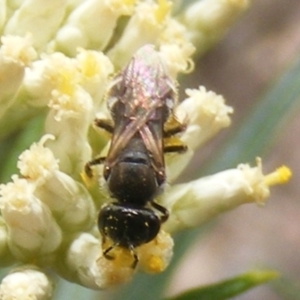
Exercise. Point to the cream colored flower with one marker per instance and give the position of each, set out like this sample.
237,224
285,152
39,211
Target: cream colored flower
206,114
16,53
26,283
91,25
31,227
192,204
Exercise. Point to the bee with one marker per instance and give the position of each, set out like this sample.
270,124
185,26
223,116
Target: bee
141,101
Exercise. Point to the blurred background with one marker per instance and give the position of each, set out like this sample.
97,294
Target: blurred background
242,67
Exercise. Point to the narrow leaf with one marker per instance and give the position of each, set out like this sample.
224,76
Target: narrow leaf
228,288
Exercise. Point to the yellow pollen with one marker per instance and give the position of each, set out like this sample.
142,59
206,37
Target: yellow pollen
162,10
89,66
279,176
155,264
66,82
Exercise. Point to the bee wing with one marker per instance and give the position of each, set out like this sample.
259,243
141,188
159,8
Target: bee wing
143,86
128,129
154,145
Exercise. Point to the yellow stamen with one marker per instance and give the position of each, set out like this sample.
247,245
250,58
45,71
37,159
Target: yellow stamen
155,265
88,66
66,82
279,176
162,10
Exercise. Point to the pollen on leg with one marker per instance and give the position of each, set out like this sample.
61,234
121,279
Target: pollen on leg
117,270
155,264
156,255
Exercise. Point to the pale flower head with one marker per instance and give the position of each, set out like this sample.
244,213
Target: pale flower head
31,226
38,162
18,50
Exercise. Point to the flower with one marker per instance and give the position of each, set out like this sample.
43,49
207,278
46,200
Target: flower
57,59
26,283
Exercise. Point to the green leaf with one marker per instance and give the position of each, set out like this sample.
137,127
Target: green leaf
228,288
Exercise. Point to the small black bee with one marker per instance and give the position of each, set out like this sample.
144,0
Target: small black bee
141,101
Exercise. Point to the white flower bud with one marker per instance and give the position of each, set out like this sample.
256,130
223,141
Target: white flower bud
26,283
52,72
71,111
70,202
143,28
38,162
193,203
177,58
81,258
91,25
39,17
31,227
205,114
85,260
17,50
15,54
69,120
95,68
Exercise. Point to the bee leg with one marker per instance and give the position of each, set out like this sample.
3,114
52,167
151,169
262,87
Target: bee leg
135,257
171,142
94,162
173,126
163,210
105,124
132,252
107,250
178,148
170,131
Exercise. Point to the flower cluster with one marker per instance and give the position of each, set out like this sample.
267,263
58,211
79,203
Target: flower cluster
57,58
